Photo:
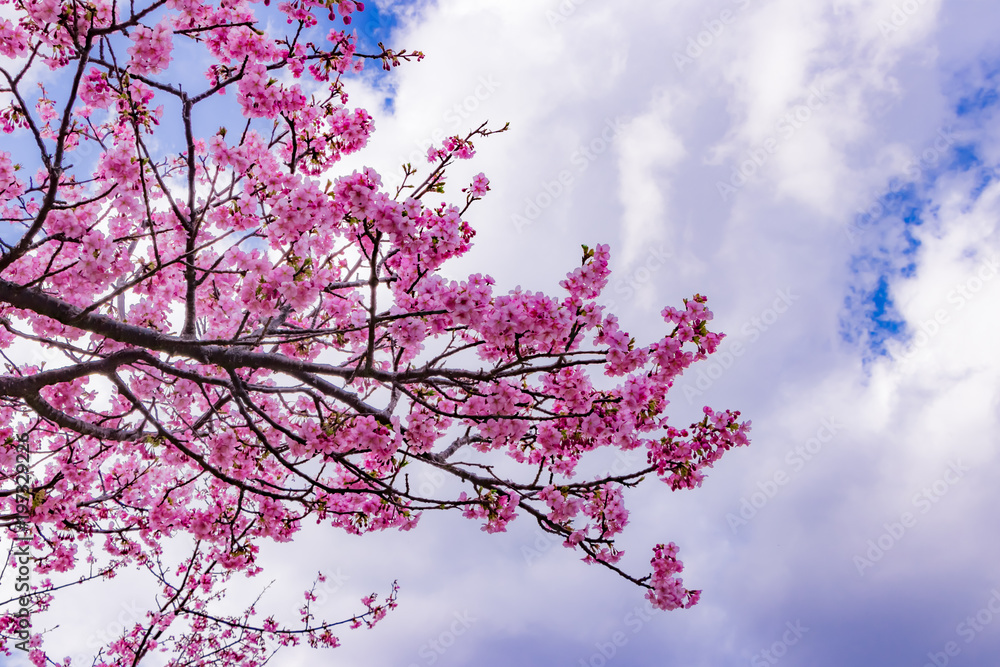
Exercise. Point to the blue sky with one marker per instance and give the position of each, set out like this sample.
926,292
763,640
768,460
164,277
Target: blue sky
852,264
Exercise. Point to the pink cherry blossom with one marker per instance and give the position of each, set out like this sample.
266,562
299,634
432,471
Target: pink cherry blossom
215,335
151,48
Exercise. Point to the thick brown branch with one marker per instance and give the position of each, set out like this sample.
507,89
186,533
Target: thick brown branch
60,418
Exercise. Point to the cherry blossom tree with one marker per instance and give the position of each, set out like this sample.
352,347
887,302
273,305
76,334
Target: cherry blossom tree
210,335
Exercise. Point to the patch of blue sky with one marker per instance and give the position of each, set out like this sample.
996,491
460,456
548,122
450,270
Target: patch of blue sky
883,312
981,99
873,319
888,252
21,143
983,178
968,160
964,157
885,229
978,90
373,26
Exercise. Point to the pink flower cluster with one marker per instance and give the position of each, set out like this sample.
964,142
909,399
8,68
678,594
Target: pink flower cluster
498,509
480,185
11,187
667,592
13,39
681,457
95,91
151,47
457,146
563,507
263,97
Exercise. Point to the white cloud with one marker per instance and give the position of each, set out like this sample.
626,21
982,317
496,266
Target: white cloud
648,149
783,229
